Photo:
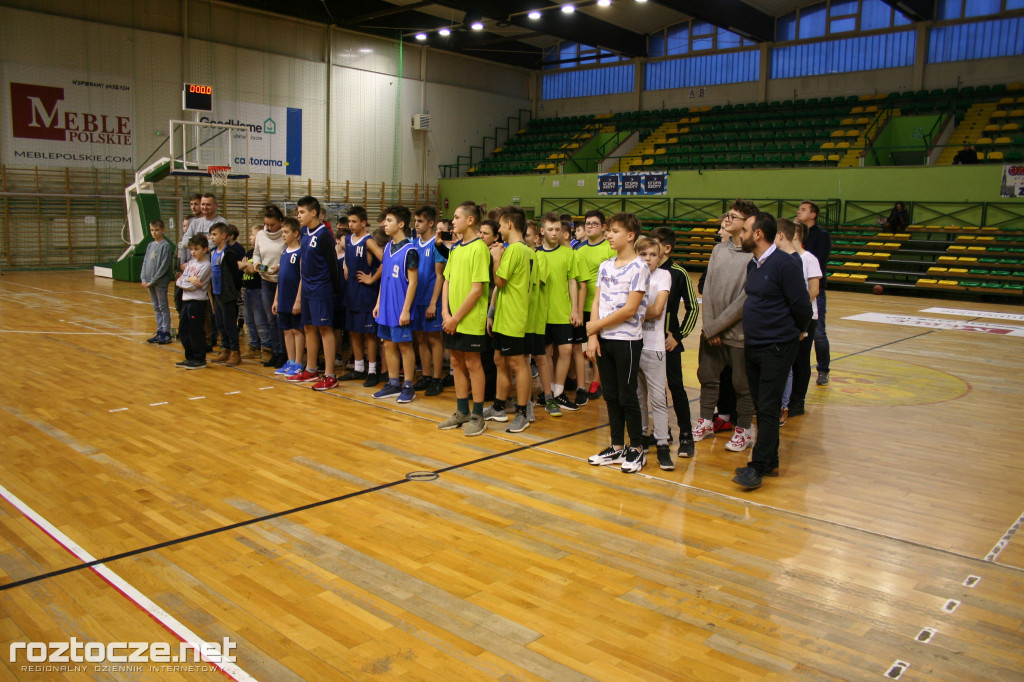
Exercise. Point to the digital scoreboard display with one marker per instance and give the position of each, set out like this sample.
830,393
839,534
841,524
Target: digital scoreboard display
197,97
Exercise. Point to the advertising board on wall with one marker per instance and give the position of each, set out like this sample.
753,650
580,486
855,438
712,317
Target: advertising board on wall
275,136
58,118
633,184
1013,181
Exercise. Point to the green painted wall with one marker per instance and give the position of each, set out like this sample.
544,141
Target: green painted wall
882,184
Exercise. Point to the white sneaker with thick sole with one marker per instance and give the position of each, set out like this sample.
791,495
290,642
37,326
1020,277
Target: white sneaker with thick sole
740,441
705,428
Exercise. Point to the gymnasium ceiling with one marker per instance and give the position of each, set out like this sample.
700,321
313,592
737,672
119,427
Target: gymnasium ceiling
509,36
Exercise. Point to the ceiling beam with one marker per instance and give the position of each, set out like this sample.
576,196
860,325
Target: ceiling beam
577,27
734,15
917,10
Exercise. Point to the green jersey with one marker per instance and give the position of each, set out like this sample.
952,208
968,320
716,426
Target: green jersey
561,265
467,264
512,306
537,320
588,258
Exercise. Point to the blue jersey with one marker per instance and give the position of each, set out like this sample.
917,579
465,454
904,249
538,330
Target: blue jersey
359,297
394,281
288,277
319,264
427,275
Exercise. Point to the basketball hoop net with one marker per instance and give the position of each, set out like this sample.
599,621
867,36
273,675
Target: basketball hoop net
219,175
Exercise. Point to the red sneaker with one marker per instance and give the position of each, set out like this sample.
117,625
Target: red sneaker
595,389
325,384
303,377
722,425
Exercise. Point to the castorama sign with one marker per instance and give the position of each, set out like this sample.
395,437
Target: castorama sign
58,118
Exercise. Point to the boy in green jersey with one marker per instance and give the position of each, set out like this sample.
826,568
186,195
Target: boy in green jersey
464,298
561,294
514,275
537,324
589,256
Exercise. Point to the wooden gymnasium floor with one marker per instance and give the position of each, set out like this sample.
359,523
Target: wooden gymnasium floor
226,503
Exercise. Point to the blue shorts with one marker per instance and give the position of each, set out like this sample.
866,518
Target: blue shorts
395,334
420,323
286,321
318,312
360,323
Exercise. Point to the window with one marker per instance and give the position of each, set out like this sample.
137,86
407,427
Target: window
565,55
865,53
606,80
812,21
875,14
785,27
978,40
710,69
678,39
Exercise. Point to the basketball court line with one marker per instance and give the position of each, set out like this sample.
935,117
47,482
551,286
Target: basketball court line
169,622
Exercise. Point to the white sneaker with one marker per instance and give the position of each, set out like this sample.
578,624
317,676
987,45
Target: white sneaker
493,415
741,440
705,428
634,460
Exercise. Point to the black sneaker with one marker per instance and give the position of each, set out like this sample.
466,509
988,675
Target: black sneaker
686,448
182,364
271,361
822,378
581,397
796,410
565,403
773,473
436,387
665,458
634,460
155,339
747,477
372,379
607,456
353,376
423,383
280,360
448,381
646,441
195,364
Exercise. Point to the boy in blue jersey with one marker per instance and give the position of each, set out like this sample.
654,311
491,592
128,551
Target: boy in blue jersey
426,312
393,312
287,304
362,277
319,270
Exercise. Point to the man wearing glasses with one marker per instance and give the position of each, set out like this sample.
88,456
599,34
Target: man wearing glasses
721,339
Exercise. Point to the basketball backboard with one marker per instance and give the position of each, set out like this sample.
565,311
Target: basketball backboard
195,146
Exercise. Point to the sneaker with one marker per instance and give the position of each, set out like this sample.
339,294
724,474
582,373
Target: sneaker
273,361
303,376
390,390
665,458
552,407
740,441
686,447
165,338
407,394
774,473
582,398
646,441
595,389
492,414
155,338
454,421
565,403
533,370
288,368
519,423
530,411
634,460
475,426
822,379
182,364
448,381
436,387
195,364
423,383
607,456
748,478
784,416
353,376
705,428
326,383
372,379
796,410
723,425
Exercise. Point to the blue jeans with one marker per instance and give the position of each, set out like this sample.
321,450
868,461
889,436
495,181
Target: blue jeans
158,295
256,320
820,339
267,292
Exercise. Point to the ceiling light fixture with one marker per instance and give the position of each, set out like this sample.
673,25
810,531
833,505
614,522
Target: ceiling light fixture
640,2
444,32
568,9
421,36
535,15
604,3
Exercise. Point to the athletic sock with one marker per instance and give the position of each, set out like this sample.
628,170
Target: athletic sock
462,406
360,366
499,404
521,409
557,389
478,409
373,368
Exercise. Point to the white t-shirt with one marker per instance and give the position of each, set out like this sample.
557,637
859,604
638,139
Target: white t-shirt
811,269
616,285
654,330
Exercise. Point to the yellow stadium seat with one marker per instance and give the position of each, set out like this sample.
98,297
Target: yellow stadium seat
991,128
1010,126
834,157
998,113
842,145
1002,140
818,158
857,110
829,145
871,109
994,156
846,122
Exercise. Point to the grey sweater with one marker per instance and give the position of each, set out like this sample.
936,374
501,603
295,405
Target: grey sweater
722,304
156,266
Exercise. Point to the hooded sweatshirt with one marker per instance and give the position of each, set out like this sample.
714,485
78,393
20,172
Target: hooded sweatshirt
724,295
267,251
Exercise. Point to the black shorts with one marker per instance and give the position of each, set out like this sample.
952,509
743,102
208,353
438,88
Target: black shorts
465,343
536,344
559,334
579,334
509,345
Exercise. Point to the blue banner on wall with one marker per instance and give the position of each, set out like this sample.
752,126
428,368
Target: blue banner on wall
633,184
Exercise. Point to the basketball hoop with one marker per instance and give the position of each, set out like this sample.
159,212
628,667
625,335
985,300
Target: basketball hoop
219,175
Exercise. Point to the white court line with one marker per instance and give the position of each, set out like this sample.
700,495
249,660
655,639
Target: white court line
199,397
120,298
22,331
155,404
15,284
266,388
114,334
232,393
994,553
985,314
120,409
171,623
